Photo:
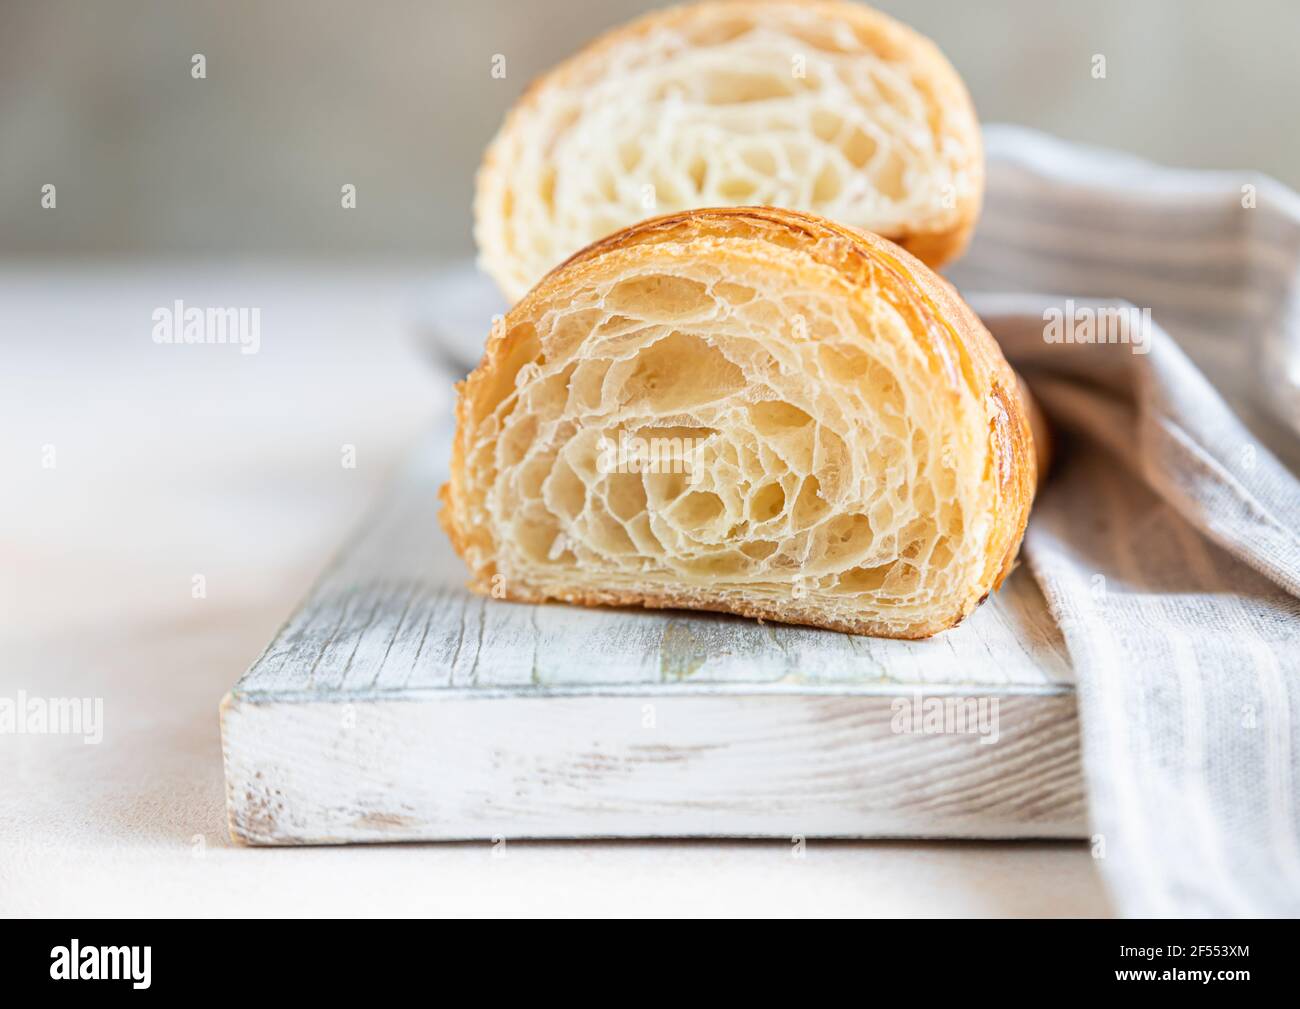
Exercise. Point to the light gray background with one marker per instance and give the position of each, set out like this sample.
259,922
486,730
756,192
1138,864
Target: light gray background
396,97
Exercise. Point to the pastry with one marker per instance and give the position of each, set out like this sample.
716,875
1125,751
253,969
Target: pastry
826,107
747,410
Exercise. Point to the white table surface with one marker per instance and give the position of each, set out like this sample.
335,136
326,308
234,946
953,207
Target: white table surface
173,461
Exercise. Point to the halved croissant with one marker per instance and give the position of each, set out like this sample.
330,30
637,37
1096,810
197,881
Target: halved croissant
747,410
825,107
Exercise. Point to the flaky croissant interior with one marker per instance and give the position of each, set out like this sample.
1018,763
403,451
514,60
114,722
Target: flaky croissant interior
727,413
826,107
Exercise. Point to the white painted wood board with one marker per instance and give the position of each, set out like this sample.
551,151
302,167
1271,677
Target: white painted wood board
397,706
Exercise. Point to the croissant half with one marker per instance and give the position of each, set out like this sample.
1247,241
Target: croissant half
826,107
747,410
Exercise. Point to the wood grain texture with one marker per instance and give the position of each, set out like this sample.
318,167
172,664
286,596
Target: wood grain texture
395,705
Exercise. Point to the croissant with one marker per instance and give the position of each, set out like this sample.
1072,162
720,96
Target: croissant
826,107
747,410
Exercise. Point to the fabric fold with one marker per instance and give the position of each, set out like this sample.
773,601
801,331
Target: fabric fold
1167,539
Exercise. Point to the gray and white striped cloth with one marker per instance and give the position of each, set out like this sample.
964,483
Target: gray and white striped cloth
1167,542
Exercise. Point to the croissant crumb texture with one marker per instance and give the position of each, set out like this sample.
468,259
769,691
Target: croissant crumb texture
826,107
746,410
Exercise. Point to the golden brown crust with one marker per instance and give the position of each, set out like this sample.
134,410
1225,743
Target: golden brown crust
934,240
965,357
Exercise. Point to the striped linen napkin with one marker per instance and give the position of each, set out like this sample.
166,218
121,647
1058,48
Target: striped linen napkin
1156,314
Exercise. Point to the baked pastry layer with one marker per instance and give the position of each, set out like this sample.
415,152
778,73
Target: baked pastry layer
748,410
826,107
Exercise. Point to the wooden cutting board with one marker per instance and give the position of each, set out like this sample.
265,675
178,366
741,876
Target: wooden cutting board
396,706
